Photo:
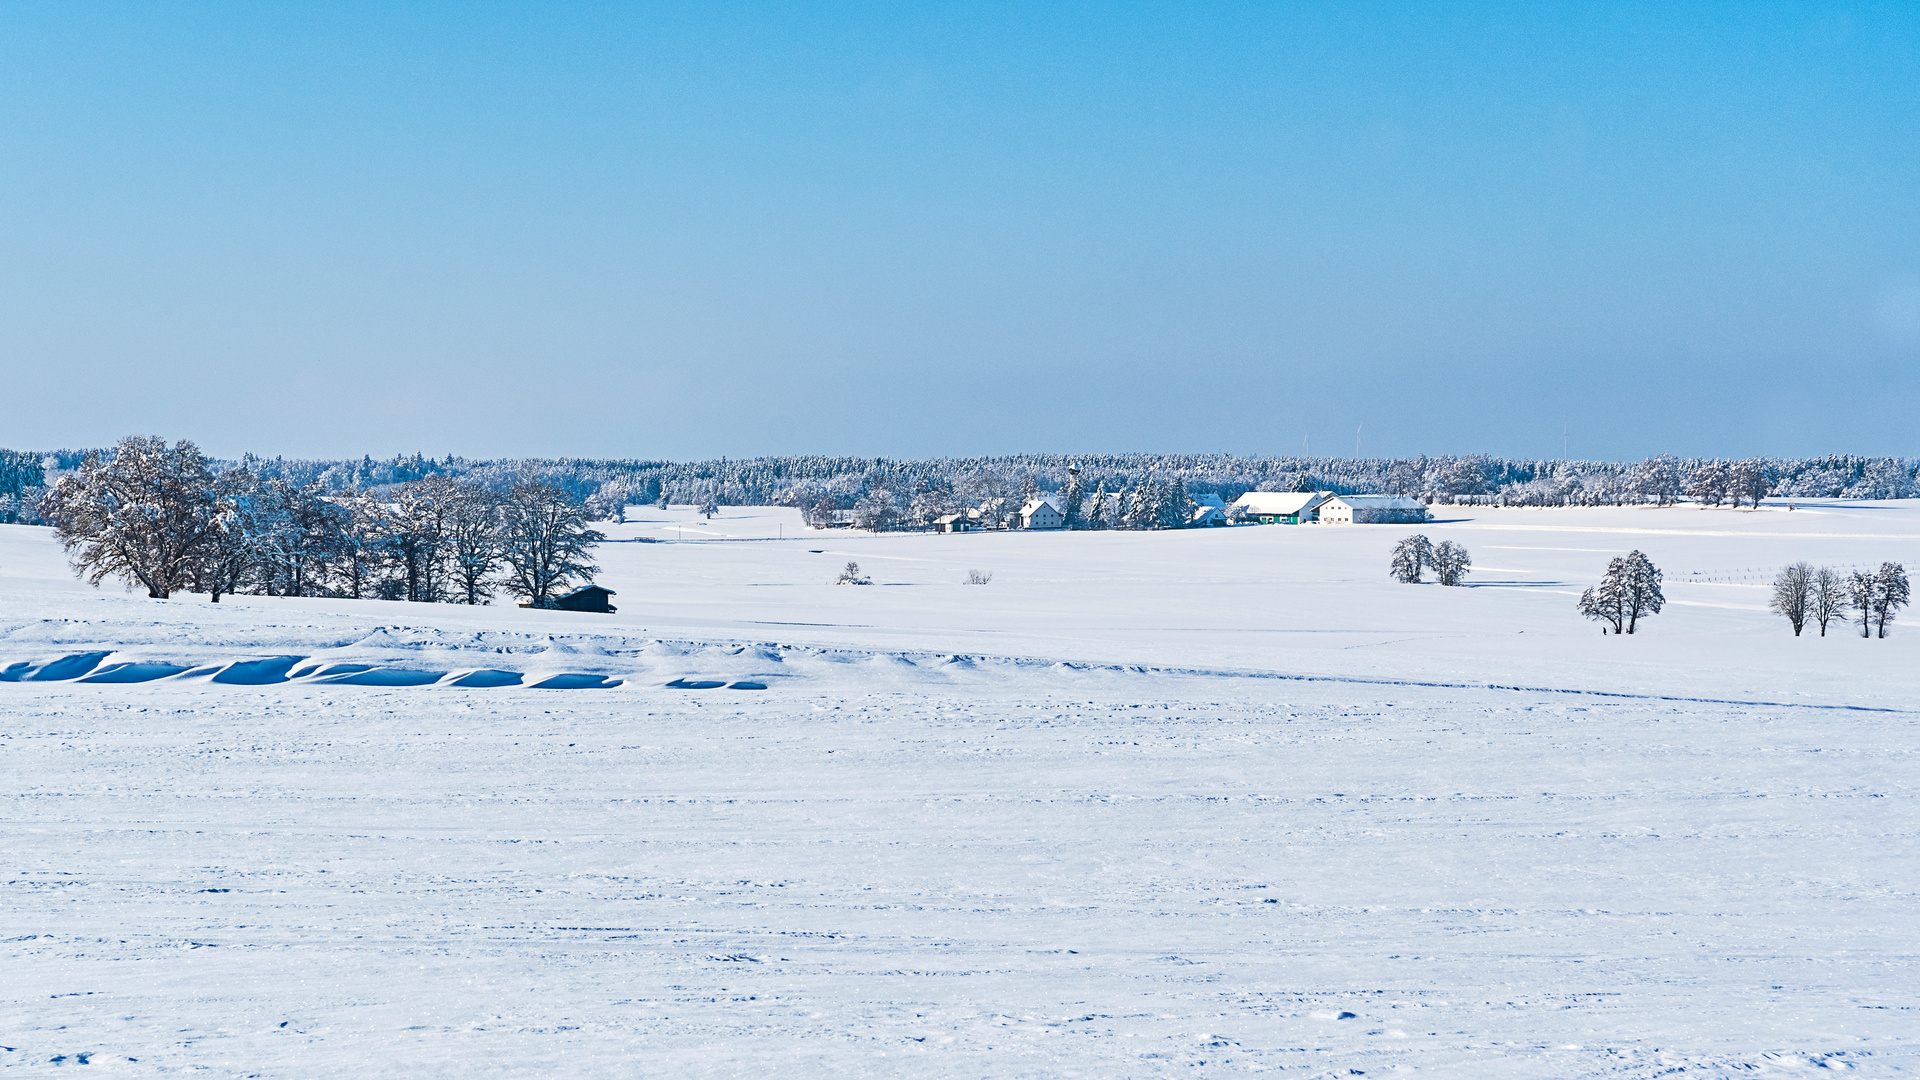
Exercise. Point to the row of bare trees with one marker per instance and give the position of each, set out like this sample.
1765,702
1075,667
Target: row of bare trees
1804,593
161,518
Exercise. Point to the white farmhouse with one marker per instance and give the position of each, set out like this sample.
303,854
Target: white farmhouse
1372,510
1041,514
1283,507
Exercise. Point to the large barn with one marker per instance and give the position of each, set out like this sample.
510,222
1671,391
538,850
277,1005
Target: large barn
1372,510
1282,507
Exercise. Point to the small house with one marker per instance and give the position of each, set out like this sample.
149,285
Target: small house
1283,507
587,598
1039,513
1372,510
965,521
1208,515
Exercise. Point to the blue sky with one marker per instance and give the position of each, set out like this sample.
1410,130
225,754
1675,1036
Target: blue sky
689,231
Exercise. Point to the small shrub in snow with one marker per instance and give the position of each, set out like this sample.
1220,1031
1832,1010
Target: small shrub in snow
1451,562
976,577
1410,556
1628,592
852,576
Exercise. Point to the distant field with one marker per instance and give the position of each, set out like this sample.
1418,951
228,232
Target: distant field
1197,803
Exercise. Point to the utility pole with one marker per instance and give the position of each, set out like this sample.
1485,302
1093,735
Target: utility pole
1356,442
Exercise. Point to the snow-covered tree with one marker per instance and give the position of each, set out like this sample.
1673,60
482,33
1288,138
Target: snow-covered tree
1878,596
1451,562
1792,594
232,548
1072,498
876,511
1173,506
1096,516
1710,483
1863,595
1627,593
417,520
851,575
1826,597
709,506
1410,556
609,503
1749,480
544,542
1657,480
141,515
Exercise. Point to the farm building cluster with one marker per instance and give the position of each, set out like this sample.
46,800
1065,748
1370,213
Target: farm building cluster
1255,507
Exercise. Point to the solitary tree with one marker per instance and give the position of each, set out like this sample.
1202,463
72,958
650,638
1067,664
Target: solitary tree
545,542
709,506
852,576
1628,592
1826,597
1793,594
1450,562
1410,556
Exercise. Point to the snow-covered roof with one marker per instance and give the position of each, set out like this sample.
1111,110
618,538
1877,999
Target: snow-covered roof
1281,503
1034,504
1210,499
589,588
1204,514
1379,502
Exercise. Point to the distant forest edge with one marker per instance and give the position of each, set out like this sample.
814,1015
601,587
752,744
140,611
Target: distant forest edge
924,489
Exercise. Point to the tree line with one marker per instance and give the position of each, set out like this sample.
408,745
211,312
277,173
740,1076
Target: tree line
167,519
914,489
1804,593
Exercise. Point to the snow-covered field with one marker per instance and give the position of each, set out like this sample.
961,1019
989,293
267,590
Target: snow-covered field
1198,803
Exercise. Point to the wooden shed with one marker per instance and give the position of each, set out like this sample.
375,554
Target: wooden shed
587,598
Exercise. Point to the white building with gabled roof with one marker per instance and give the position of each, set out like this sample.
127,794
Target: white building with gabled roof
1037,513
1282,507
1372,510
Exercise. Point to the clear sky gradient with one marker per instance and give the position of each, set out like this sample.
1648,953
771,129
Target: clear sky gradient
656,230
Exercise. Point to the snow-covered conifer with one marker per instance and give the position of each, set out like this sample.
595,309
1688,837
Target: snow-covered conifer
1072,497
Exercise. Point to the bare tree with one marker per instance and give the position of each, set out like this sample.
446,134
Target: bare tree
1451,562
1627,593
473,541
852,576
1792,594
1826,597
141,516
1410,556
545,542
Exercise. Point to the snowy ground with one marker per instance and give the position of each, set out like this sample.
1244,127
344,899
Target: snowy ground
1203,803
